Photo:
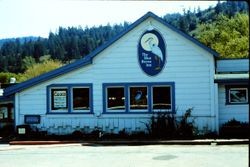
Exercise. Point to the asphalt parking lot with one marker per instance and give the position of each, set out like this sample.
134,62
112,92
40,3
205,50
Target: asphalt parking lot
67,155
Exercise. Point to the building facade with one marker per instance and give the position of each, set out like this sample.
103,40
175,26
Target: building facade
150,67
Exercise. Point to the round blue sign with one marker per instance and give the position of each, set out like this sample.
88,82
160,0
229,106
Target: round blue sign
151,52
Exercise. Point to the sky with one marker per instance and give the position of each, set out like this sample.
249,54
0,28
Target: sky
20,18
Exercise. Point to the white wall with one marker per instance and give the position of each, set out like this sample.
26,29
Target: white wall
228,112
189,66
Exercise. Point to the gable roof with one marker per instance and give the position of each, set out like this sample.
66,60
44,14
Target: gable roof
88,59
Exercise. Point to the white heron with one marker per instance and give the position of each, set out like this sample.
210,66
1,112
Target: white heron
156,50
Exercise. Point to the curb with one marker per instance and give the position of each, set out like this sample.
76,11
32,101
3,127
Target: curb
136,142
41,142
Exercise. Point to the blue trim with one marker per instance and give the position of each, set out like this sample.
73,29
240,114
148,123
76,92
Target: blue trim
173,98
126,86
88,59
6,99
69,92
14,108
231,81
126,99
227,89
104,99
150,106
69,100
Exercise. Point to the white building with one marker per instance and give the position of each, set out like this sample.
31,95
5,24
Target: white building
150,67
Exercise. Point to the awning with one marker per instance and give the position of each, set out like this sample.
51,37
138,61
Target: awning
231,78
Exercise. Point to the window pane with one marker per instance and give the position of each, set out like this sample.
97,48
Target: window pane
238,95
3,113
80,98
161,98
59,99
138,98
116,99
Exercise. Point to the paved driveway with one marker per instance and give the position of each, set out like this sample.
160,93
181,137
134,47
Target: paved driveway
124,156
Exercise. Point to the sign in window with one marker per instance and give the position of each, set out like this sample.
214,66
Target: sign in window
238,95
59,99
138,98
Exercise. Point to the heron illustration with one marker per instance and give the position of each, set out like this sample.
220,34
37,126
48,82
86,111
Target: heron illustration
138,95
156,50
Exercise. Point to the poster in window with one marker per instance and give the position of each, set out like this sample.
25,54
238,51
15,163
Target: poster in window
59,99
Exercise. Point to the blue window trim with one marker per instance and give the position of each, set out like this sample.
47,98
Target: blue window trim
104,88
126,86
227,89
69,92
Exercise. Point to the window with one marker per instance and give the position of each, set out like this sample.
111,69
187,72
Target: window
69,98
138,98
236,94
6,112
116,98
81,99
161,98
59,99
3,113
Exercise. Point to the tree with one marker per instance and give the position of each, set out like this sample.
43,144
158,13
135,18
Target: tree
39,68
39,49
5,77
228,36
27,62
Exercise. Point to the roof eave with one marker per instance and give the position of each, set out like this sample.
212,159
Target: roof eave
232,81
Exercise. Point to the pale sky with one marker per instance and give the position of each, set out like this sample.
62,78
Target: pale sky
19,18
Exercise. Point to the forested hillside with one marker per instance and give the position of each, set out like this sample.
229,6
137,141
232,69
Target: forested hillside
224,28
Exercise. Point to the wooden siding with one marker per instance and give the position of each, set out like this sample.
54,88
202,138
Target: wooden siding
228,112
190,67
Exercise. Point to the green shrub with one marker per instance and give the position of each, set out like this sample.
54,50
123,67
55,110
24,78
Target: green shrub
165,125
234,129
186,128
162,125
5,77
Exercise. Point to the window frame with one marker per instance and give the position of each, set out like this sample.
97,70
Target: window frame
129,96
149,86
152,99
69,88
72,100
235,87
52,99
106,99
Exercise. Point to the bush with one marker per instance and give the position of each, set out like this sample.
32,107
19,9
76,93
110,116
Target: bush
185,128
7,130
234,129
39,68
5,77
164,125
